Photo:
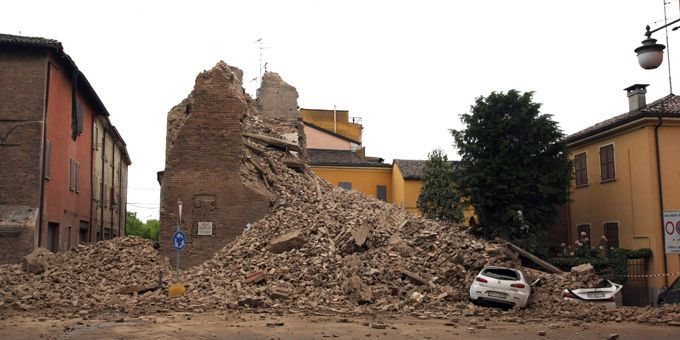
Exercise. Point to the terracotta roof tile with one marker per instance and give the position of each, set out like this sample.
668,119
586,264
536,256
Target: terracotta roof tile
413,168
17,40
668,106
341,158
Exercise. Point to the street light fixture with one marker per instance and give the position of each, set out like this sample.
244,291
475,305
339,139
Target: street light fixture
650,54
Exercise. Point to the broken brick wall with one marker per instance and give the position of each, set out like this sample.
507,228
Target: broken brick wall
277,103
203,162
23,79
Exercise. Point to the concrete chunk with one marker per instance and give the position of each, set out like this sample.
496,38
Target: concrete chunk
287,242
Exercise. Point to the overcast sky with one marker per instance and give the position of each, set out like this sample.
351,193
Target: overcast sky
407,68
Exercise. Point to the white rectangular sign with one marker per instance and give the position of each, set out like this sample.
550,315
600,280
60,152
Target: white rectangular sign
671,231
205,228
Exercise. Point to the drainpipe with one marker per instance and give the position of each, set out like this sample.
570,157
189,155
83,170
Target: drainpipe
101,187
44,156
93,152
658,174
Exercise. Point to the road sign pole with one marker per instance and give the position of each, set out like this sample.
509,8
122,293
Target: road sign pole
179,222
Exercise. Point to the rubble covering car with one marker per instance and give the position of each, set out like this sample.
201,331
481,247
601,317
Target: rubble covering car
602,293
499,284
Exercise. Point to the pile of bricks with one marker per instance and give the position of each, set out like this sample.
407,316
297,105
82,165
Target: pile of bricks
322,250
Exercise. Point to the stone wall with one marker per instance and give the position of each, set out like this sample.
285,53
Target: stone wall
203,161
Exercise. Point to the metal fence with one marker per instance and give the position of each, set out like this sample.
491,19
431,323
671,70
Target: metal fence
636,289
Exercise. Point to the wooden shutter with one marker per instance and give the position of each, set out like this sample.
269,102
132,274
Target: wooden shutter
77,176
71,173
607,169
581,166
611,232
48,159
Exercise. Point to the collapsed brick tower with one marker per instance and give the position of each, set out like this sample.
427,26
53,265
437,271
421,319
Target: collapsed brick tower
202,168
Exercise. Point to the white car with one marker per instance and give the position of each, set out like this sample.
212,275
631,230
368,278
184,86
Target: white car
603,293
499,284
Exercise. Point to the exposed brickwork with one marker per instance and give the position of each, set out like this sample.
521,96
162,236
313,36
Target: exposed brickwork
22,98
277,103
203,169
22,95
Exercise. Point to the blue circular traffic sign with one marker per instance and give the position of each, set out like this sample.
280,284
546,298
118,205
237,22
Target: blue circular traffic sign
179,240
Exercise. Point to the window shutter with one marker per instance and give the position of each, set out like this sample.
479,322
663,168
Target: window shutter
95,133
603,164
79,113
77,177
612,174
611,231
70,174
48,158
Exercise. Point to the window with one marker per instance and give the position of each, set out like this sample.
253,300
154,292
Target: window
345,185
581,167
502,274
48,157
607,170
584,228
381,192
72,174
611,232
77,177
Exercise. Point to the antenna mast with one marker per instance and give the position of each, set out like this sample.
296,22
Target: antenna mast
668,47
261,49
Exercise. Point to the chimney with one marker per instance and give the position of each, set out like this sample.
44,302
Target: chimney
636,96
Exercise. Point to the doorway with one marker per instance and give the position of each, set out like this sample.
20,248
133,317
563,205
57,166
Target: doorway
53,236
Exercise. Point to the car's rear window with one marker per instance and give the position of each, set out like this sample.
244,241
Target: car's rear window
501,273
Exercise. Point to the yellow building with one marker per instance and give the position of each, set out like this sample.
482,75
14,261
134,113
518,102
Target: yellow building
347,169
627,174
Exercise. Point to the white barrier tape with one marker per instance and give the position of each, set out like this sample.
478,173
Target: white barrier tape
651,275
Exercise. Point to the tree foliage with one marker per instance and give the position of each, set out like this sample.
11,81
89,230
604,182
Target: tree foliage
135,227
513,159
439,198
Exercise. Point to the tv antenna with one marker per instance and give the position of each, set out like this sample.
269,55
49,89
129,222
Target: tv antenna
262,48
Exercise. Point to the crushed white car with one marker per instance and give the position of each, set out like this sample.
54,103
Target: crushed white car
499,284
603,293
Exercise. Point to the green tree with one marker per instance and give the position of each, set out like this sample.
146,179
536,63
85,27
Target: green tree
514,165
133,225
152,227
439,198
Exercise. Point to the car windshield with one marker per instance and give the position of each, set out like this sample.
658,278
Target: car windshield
501,273
603,284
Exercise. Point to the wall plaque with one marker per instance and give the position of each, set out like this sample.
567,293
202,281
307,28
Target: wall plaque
205,228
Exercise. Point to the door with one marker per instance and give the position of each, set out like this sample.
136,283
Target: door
84,232
53,236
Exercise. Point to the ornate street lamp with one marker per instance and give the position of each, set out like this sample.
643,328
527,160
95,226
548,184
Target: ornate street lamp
650,54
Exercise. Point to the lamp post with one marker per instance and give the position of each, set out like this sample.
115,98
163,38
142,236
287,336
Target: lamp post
650,54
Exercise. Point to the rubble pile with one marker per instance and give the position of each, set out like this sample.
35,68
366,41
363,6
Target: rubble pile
322,249
86,278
